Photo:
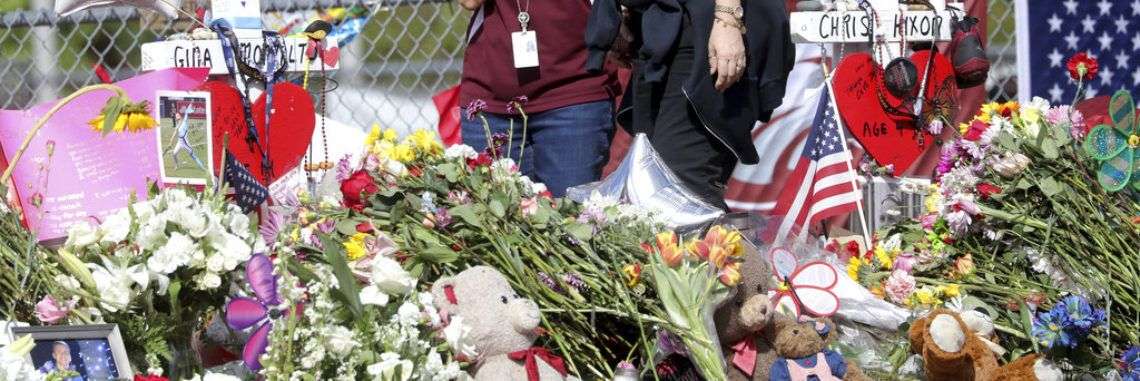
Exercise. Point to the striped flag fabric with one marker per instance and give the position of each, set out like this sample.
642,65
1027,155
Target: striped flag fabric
248,192
822,183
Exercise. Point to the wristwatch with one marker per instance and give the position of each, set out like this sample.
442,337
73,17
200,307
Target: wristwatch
736,12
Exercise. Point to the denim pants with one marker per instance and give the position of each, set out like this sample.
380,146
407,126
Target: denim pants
565,147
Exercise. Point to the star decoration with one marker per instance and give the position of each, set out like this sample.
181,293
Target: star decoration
1105,41
1136,77
1121,25
1136,7
1136,42
1055,58
1072,40
1089,24
1071,7
1104,6
1091,93
1056,92
1056,22
1121,60
1106,76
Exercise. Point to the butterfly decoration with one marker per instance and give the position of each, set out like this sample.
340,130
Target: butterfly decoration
243,312
805,288
1117,146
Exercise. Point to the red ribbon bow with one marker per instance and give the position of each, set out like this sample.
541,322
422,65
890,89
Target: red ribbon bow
744,355
528,355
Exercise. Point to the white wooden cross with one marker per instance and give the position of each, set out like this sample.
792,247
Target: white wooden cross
895,23
245,16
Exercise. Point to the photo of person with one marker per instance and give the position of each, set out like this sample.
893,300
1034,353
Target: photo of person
184,137
75,360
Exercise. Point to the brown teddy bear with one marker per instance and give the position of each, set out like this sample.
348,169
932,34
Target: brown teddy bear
743,322
952,350
803,354
503,326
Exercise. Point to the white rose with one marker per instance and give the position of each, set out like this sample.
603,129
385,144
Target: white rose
81,234
214,262
390,277
114,289
371,295
210,281
193,221
152,232
408,314
238,224
458,337
538,188
177,251
394,167
460,151
116,227
234,249
391,368
339,340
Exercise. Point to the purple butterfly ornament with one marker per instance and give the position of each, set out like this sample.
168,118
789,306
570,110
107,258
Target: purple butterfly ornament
244,312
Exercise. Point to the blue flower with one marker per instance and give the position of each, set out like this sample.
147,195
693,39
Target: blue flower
1049,329
1130,364
1081,316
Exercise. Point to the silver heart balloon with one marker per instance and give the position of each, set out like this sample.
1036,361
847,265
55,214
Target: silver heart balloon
642,179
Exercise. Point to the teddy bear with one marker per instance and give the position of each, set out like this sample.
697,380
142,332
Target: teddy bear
955,347
743,321
502,326
801,345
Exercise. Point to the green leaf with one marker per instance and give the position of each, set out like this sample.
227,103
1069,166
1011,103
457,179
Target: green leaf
347,227
450,171
349,290
438,254
1051,187
497,208
467,214
111,113
172,292
1049,147
1023,184
296,268
580,231
1027,324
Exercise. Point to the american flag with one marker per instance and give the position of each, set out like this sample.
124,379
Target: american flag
1054,30
822,184
248,193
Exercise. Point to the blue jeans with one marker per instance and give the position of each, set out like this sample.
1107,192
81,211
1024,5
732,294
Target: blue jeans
565,147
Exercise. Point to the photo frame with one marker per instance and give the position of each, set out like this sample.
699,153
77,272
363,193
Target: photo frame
94,352
183,135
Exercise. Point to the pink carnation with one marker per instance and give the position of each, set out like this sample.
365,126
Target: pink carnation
1060,115
899,286
529,206
49,311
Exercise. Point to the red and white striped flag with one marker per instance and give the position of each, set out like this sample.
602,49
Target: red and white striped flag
822,183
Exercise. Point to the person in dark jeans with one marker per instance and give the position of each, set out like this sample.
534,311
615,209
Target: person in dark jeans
705,73
570,110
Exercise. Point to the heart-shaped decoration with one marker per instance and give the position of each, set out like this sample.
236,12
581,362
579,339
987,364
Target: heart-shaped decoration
291,127
890,137
330,56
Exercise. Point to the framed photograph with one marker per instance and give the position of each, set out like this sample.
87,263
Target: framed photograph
185,150
86,352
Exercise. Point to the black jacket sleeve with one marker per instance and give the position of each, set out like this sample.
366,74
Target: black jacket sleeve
602,28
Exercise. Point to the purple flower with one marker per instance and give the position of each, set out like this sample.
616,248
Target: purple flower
549,282
343,169
573,280
474,108
1130,364
1081,315
668,343
515,105
458,197
442,218
1049,330
946,160
326,226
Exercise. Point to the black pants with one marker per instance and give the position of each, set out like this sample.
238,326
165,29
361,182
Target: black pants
662,111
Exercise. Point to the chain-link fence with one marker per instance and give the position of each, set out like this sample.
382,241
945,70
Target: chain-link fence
408,50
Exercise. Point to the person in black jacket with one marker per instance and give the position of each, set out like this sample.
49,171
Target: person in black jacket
705,71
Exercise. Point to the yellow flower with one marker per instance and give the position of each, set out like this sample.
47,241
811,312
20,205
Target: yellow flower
133,117
671,254
718,245
931,202
878,292
925,296
354,246
97,123
373,135
885,260
425,141
853,268
1134,141
730,275
390,135
950,290
139,122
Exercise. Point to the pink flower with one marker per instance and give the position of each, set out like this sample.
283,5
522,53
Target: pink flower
529,206
905,261
49,311
899,286
928,220
1060,116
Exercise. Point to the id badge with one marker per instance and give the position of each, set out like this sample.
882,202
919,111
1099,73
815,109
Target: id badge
525,47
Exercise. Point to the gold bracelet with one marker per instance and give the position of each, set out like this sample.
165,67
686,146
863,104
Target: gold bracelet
738,25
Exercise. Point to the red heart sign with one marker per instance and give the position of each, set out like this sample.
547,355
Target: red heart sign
889,137
330,56
291,126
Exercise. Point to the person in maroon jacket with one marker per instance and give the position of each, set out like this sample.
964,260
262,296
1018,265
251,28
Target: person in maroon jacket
570,111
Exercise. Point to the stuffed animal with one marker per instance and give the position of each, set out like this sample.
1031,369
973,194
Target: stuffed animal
503,326
743,322
955,347
803,353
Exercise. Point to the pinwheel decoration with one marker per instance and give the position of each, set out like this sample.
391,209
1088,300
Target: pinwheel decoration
1117,147
243,313
803,288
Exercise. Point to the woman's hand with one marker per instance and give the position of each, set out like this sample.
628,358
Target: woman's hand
726,54
470,4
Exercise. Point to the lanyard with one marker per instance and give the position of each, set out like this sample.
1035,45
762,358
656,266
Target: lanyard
274,45
524,14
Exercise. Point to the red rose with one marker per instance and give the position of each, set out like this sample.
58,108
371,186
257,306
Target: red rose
357,188
482,160
365,227
1082,67
977,128
150,377
985,190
